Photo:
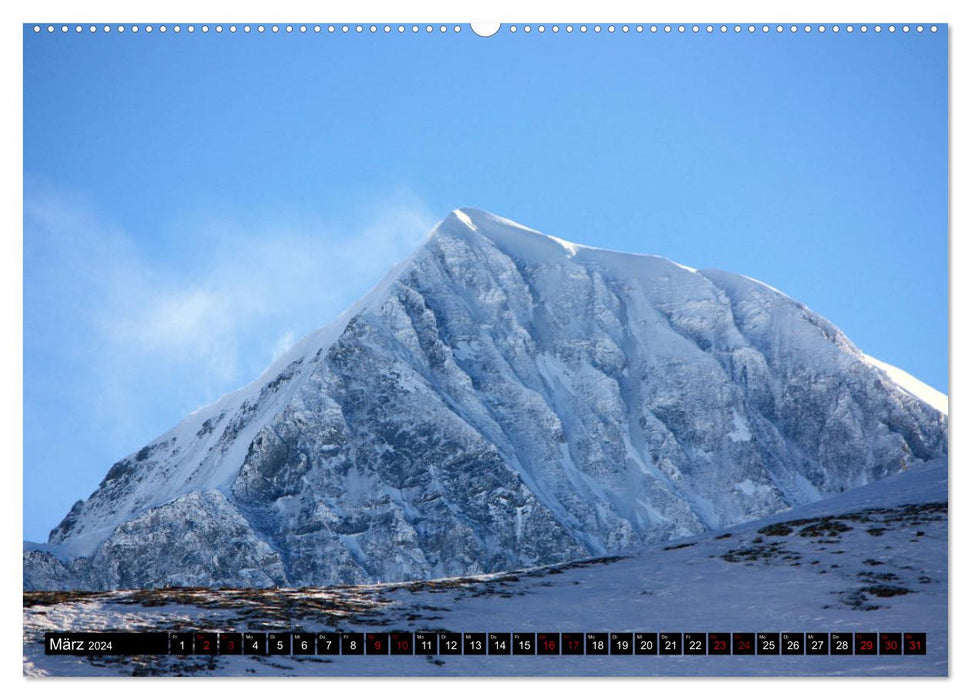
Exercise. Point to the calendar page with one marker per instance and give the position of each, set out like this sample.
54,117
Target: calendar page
513,349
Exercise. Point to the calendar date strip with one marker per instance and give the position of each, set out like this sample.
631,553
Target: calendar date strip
439,643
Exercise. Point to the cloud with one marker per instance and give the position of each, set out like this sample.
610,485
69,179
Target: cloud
284,343
178,320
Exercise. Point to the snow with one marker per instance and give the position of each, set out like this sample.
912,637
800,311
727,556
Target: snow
570,248
912,385
741,433
528,244
465,219
747,487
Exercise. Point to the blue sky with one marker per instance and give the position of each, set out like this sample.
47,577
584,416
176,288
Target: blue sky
195,203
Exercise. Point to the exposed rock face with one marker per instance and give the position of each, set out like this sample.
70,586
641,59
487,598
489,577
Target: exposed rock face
198,539
502,399
45,572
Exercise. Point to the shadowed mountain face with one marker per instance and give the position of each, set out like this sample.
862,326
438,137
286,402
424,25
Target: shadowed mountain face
502,399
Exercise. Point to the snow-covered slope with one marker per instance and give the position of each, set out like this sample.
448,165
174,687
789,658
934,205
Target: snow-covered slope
873,559
502,399
908,382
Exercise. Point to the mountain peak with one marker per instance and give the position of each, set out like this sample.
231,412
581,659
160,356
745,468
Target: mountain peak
502,399
512,238
532,246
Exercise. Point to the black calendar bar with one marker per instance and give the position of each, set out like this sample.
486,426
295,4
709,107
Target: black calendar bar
437,643
106,644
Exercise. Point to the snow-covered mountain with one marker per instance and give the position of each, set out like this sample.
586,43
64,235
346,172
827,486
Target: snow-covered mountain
502,399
